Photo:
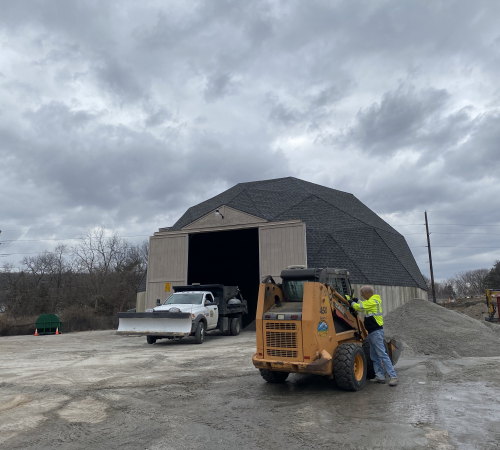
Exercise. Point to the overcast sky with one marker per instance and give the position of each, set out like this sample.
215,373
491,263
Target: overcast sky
124,114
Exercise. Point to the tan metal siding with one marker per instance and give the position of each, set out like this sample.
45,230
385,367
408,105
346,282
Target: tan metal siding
229,216
167,263
157,291
141,302
281,246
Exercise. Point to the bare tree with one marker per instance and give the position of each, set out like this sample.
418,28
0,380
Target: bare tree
98,276
470,282
15,296
444,288
99,256
144,252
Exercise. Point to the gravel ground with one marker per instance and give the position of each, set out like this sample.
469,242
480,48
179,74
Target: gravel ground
429,329
99,390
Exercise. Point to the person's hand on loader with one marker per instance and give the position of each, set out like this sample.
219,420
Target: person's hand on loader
351,301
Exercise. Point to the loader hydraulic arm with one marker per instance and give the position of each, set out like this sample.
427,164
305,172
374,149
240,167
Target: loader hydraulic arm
351,317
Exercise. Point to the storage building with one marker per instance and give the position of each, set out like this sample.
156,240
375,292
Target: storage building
258,228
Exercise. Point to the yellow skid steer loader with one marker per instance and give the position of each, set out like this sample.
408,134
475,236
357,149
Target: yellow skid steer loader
304,325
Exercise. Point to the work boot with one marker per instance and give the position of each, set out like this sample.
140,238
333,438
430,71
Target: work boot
393,382
378,380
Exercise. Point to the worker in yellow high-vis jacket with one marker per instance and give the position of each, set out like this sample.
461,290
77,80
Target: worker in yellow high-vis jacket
374,324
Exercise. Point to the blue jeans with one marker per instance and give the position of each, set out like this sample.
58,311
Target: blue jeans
378,355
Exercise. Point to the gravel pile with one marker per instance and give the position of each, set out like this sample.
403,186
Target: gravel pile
429,329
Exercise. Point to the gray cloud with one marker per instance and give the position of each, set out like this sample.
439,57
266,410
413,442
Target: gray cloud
119,79
402,119
157,116
218,86
132,112
282,114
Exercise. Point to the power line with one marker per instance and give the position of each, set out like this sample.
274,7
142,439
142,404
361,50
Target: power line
434,232
485,234
32,253
452,210
451,224
63,239
80,226
453,246
466,225
10,241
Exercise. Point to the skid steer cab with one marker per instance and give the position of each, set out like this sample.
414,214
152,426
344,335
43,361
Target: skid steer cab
304,325
189,311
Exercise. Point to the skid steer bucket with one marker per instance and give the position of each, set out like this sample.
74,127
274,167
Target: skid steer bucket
394,349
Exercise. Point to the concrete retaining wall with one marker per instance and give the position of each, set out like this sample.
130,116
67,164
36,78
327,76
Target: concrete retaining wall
392,296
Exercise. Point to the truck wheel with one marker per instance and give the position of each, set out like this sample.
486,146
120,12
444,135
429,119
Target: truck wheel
235,326
349,367
370,371
151,339
272,376
199,334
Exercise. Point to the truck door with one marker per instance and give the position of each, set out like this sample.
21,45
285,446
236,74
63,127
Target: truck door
212,310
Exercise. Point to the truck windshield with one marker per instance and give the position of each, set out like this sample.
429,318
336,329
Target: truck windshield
184,298
294,290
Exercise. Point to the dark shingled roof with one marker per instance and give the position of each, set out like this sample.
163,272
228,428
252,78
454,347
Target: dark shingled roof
341,231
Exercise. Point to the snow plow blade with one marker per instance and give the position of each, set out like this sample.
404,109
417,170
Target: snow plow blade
155,324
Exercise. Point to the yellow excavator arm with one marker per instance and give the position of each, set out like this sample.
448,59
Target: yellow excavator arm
490,293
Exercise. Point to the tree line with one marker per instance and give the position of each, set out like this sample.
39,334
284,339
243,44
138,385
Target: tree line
468,283
98,276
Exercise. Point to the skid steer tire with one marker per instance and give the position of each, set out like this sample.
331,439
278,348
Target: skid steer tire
235,326
199,334
151,339
349,367
272,376
370,371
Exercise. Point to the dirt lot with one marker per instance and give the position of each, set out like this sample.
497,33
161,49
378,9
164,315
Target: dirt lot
473,307
99,390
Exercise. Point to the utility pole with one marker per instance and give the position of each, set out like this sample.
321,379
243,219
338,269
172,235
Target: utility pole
430,258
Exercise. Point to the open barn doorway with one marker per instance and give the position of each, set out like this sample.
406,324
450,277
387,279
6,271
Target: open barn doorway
230,258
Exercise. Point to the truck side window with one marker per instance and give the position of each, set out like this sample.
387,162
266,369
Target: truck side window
209,298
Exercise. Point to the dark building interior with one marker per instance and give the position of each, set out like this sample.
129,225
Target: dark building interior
230,258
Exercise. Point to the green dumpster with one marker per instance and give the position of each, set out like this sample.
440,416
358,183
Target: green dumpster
48,323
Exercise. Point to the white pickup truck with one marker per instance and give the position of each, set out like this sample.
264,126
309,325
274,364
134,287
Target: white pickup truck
189,311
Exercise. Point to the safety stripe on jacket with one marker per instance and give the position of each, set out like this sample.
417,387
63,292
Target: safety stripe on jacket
378,313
